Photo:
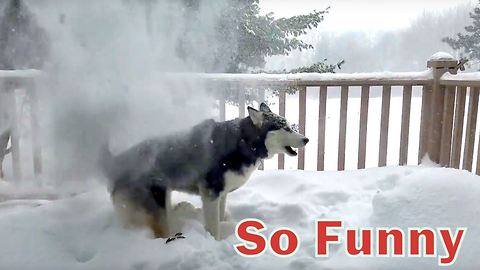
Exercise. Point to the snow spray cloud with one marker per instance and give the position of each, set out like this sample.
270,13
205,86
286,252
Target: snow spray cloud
104,81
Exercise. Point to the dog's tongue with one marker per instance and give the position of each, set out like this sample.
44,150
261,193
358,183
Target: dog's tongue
290,151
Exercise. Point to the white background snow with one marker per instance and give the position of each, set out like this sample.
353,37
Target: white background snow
75,228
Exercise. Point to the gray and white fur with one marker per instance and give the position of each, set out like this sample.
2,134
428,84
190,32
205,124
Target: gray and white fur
211,160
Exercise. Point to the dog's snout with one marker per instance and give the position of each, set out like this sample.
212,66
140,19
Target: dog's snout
305,140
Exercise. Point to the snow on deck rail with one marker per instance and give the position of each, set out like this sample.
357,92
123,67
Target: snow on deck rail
19,74
319,79
461,79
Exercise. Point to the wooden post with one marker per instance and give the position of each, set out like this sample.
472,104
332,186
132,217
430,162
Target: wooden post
221,104
405,126
342,134
384,121
424,122
261,98
15,136
458,127
447,126
302,98
36,148
362,133
241,100
432,117
470,129
6,131
322,116
282,97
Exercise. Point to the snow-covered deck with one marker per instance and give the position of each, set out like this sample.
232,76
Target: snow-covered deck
81,232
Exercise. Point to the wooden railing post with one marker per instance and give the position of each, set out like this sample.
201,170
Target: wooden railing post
433,107
282,98
302,115
10,86
34,115
240,90
261,98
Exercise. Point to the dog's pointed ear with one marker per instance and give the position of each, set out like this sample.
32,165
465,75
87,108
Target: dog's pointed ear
264,107
256,116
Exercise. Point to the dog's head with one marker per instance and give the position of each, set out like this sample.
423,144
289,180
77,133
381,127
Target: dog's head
280,136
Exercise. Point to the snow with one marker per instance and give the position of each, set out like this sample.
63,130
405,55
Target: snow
468,76
17,74
439,56
81,232
338,77
373,76
10,192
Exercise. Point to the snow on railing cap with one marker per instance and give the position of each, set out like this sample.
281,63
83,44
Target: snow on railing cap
317,77
441,56
20,73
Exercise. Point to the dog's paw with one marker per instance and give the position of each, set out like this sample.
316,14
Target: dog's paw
178,235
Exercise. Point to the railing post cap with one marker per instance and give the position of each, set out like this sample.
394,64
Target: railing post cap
442,60
441,56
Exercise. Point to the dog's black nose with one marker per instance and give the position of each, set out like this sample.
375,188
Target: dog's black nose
306,140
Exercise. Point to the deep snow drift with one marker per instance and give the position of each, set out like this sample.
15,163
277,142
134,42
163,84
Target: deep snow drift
81,232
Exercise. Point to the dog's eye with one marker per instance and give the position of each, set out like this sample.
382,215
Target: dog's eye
294,127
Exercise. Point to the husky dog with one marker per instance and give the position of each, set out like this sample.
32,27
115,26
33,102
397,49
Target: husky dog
210,160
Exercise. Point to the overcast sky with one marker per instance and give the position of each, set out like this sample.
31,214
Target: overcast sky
367,15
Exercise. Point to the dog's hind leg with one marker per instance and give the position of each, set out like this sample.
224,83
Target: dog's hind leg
160,222
157,224
145,207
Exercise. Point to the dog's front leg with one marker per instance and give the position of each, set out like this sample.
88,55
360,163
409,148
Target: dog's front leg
211,213
223,206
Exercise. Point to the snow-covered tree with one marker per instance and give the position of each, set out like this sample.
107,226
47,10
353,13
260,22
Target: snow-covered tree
468,43
23,43
249,37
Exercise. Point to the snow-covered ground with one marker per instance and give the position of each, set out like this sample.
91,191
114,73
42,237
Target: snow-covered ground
81,232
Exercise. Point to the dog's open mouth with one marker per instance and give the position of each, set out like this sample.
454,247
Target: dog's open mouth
290,151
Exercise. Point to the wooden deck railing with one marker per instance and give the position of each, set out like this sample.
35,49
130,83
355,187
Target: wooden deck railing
325,83
448,119
442,113
455,90
11,80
